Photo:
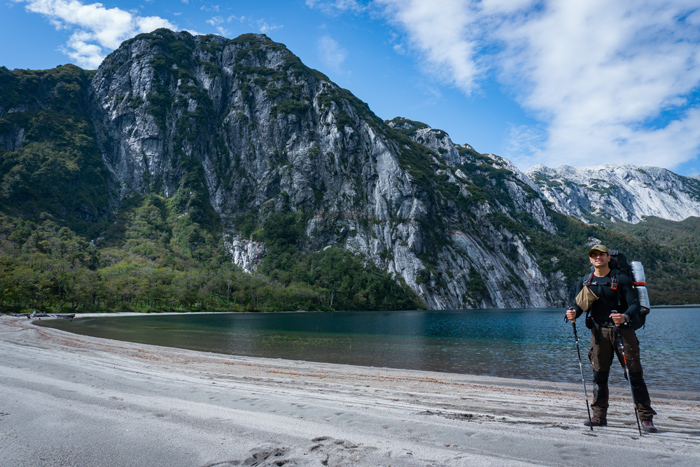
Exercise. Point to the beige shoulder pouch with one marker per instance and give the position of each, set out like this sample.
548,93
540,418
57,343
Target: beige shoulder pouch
585,298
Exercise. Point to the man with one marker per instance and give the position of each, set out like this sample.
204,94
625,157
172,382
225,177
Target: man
612,308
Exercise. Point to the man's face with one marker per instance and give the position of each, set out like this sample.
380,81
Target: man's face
599,259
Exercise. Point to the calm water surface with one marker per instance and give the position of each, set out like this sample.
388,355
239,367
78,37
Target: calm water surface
530,344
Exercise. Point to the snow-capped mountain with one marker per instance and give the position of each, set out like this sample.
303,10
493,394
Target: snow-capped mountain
618,192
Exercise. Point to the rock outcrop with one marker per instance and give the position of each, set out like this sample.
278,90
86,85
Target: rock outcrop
236,135
248,124
610,193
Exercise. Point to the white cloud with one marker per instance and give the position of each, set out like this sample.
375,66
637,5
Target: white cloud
441,33
96,30
217,22
334,7
264,27
599,72
260,25
523,139
332,54
609,81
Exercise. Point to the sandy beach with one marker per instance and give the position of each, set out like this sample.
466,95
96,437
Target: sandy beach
70,400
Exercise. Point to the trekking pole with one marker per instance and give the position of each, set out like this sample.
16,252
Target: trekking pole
620,345
580,364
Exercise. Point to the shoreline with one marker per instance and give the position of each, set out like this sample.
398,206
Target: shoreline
661,387
70,399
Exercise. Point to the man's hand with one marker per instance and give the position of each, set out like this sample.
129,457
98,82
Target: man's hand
571,314
618,318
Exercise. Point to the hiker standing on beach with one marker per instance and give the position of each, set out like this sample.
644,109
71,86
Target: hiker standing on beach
612,308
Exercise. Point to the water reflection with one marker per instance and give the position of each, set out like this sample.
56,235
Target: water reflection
530,344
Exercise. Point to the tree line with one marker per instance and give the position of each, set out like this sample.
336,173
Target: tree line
46,267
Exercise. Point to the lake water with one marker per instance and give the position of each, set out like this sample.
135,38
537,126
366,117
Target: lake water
529,344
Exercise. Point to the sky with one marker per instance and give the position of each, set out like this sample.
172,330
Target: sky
552,82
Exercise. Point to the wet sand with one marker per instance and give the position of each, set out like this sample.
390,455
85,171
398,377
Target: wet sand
70,400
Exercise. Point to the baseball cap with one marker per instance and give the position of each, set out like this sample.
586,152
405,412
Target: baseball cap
601,248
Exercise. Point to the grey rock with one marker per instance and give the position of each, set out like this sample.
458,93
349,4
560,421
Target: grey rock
265,133
618,192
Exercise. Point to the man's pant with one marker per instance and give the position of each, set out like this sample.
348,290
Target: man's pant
601,357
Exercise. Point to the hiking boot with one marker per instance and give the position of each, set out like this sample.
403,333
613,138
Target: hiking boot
648,426
597,421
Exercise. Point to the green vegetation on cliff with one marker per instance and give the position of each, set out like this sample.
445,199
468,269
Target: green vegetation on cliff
49,160
160,254
77,236
154,258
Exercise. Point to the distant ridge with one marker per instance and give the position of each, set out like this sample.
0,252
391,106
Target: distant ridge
618,192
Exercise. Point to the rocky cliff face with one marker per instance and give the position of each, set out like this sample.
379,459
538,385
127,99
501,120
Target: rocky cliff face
610,193
237,140
244,127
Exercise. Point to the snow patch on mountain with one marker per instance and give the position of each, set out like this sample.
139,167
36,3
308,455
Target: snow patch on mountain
618,192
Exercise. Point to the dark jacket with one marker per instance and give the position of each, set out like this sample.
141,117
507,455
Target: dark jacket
623,300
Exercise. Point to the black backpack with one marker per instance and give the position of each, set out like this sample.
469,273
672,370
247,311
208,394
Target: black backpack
619,264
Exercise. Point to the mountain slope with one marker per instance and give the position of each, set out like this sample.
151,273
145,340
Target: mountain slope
213,150
611,193
48,148
264,134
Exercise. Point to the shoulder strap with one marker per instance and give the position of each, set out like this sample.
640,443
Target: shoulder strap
614,281
614,273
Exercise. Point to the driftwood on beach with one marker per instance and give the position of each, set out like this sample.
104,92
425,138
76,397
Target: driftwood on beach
35,314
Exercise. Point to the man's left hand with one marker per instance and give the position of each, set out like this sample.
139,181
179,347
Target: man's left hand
618,318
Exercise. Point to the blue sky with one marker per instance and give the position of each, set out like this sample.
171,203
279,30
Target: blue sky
575,82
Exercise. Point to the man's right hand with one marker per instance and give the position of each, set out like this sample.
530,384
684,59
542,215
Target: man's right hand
571,314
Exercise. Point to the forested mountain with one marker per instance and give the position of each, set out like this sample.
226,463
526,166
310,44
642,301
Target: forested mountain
197,172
